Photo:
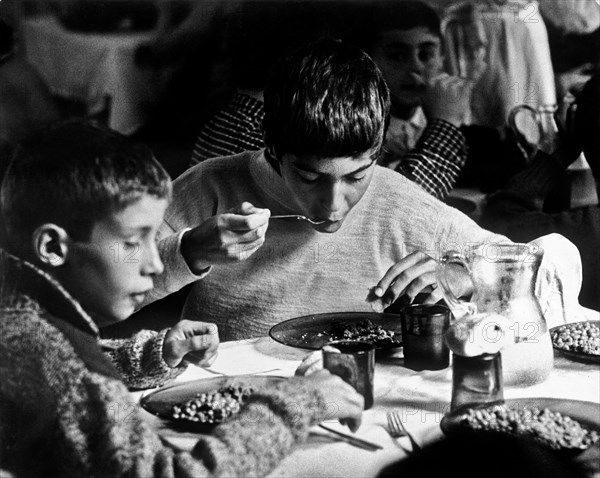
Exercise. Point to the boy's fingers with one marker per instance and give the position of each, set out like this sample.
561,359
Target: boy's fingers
202,342
210,360
311,364
237,222
354,423
200,328
245,237
205,358
438,79
414,280
246,209
394,271
201,358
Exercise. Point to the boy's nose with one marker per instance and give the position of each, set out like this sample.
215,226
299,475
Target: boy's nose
333,198
153,264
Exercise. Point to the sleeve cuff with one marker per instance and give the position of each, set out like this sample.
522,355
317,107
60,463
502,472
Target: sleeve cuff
181,265
445,138
177,273
299,404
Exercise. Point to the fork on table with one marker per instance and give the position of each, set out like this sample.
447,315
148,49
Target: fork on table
397,429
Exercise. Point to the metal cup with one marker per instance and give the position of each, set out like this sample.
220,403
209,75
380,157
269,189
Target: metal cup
476,379
423,329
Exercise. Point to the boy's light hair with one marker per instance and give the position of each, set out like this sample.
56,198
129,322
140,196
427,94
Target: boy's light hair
328,99
73,175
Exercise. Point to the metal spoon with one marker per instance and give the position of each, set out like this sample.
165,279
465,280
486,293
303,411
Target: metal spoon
299,217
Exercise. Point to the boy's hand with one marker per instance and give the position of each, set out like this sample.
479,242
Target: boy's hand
192,341
230,237
447,98
414,274
568,147
312,363
343,402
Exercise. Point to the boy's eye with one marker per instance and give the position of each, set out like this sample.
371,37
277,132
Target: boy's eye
427,55
357,179
132,244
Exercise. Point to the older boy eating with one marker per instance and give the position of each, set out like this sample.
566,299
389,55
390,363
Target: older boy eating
325,111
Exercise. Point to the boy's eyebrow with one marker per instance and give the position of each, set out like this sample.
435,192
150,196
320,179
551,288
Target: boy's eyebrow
134,229
308,169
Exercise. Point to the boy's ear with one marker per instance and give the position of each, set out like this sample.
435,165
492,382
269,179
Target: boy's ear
51,244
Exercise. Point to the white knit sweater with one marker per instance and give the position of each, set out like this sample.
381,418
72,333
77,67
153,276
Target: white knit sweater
299,271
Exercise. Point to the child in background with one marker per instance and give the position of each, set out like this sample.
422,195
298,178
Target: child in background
427,139
82,207
428,106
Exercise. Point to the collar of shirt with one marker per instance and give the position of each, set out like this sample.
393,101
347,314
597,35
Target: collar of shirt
402,135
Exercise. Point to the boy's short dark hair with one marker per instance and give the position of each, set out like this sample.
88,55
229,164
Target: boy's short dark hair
385,15
74,175
328,99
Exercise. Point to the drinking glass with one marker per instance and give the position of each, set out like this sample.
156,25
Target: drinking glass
354,362
423,329
476,379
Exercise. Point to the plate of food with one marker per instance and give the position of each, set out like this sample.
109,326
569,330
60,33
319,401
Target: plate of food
564,425
199,405
578,341
315,331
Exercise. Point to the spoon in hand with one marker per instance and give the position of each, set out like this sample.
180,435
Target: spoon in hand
296,216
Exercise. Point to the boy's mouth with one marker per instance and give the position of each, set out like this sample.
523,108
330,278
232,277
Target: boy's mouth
139,297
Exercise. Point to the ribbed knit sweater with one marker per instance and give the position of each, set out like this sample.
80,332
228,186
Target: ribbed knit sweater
299,271
64,412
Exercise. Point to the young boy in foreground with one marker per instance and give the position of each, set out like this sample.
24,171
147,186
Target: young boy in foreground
82,206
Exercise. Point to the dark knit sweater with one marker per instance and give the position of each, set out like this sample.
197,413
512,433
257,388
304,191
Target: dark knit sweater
65,412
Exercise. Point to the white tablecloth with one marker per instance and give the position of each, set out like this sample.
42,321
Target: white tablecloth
421,398
95,68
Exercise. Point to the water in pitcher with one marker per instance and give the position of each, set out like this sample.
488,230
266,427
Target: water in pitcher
503,277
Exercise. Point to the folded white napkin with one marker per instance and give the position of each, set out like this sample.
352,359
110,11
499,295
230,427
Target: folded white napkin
559,280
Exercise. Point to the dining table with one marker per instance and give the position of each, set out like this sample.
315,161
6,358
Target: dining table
420,397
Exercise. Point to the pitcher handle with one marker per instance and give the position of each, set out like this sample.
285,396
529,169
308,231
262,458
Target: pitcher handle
459,307
512,116
520,136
